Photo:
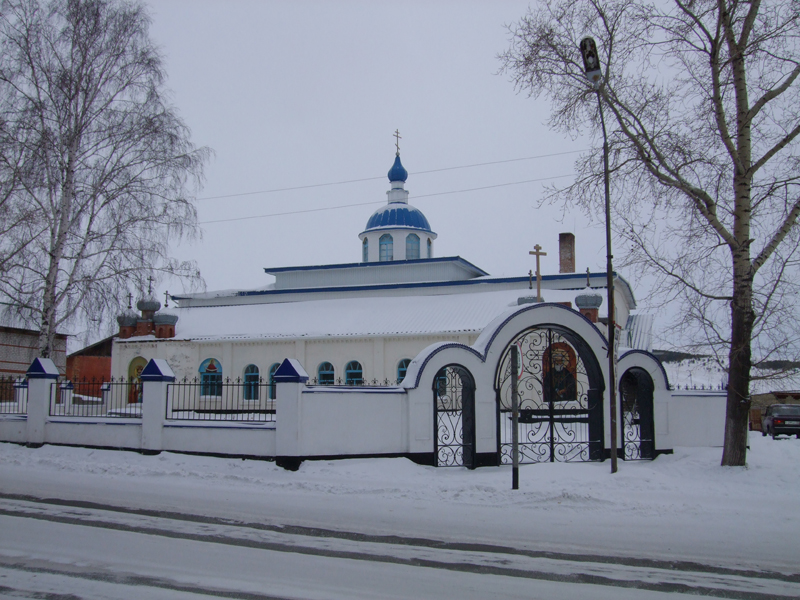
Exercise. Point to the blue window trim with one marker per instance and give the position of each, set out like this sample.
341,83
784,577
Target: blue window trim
326,374
412,246
251,381
353,373
272,390
402,367
210,383
386,244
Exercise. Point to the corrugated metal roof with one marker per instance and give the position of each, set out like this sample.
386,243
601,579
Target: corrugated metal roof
639,330
353,317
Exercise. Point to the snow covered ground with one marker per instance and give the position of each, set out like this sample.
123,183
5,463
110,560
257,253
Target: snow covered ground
178,526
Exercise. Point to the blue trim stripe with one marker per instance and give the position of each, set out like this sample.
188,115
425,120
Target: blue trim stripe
448,259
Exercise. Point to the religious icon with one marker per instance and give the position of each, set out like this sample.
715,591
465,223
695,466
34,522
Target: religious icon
559,373
135,377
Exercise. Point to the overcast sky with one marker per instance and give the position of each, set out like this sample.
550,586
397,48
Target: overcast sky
293,94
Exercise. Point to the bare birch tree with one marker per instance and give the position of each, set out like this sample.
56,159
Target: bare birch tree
705,109
96,168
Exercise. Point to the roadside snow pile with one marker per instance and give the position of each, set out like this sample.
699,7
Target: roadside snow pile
691,474
682,506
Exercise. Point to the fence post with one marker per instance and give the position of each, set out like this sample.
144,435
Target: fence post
41,374
290,379
155,377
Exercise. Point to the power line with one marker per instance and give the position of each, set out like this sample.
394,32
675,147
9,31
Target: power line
316,185
310,210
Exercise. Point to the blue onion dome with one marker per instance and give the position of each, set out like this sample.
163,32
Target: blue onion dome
398,214
398,172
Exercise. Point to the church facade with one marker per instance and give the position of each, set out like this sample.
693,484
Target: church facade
406,353
356,323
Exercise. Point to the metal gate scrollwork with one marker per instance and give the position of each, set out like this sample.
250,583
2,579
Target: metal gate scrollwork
560,399
454,417
636,394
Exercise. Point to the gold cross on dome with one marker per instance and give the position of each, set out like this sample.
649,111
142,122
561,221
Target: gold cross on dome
397,139
537,252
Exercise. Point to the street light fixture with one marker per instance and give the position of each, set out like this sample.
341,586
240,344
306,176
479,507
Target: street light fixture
591,66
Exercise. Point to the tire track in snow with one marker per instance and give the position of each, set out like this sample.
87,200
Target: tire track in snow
626,572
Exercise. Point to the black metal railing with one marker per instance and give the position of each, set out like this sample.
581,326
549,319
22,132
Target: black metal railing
228,400
13,395
699,387
96,398
361,382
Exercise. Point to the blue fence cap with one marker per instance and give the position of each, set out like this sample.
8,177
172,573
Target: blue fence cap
290,371
42,368
157,370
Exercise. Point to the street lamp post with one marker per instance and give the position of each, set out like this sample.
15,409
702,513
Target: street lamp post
591,65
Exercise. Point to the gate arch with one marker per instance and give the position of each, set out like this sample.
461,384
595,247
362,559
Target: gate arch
560,391
454,417
636,391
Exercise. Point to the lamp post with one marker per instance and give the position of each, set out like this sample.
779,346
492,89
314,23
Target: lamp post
591,66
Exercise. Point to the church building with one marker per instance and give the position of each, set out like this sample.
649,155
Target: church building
357,323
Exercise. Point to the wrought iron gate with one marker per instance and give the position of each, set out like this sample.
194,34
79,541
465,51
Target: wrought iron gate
560,394
636,409
454,417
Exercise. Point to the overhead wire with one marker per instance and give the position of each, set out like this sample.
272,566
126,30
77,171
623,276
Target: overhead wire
338,206
348,181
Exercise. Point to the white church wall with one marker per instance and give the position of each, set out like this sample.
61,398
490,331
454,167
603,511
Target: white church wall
103,433
14,428
690,418
217,438
346,422
379,356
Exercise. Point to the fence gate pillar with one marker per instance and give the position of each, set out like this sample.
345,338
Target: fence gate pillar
41,374
155,377
289,379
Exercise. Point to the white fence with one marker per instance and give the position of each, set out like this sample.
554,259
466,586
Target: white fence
289,422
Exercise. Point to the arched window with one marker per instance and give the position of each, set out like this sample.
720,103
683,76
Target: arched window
412,246
402,367
272,369
353,374
325,373
210,378
387,247
135,378
365,250
251,382
430,248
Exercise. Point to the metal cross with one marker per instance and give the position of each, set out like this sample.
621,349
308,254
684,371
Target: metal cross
130,301
397,139
150,285
166,299
537,252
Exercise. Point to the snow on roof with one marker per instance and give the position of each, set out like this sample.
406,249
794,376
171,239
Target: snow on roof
353,317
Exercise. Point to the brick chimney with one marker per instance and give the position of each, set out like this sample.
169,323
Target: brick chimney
566,253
